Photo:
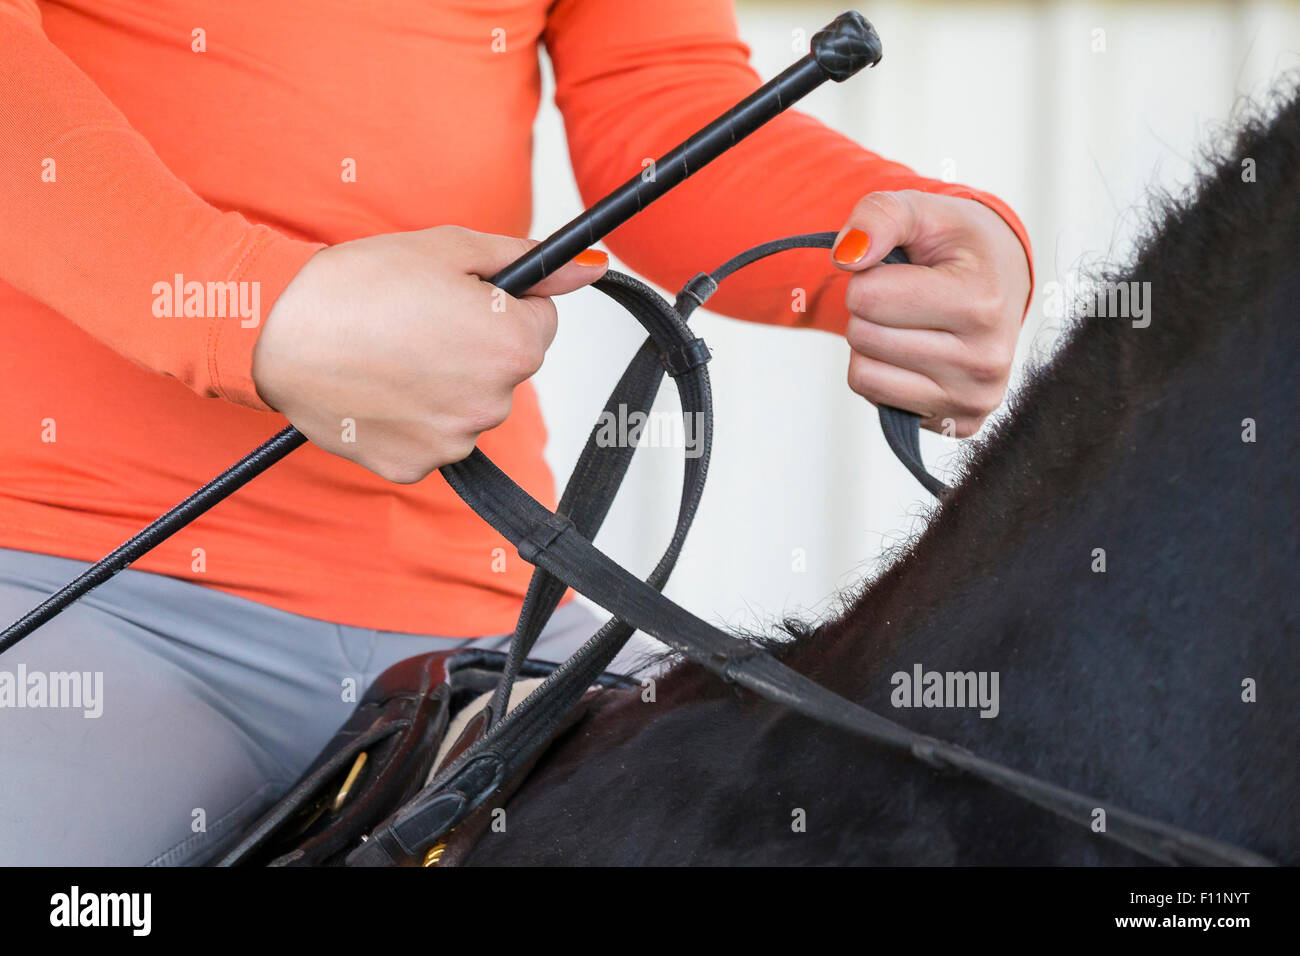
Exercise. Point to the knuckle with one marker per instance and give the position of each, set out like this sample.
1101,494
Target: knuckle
524,360
518,352
984,370
543,332
875,206
861,298
457,235
989,366
993,398
460,448
402,470
984,311
960,422
522,245
454,242
487,414
860,334
500,412
978,404
453,440
513,246
862,381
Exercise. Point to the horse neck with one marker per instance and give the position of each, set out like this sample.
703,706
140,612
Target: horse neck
1134,442
1168,453
1145,507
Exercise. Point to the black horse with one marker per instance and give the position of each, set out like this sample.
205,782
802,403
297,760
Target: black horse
1121,553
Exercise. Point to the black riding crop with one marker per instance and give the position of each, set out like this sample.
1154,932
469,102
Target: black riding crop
839,51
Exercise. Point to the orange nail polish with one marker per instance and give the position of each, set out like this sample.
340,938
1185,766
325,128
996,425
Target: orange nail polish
852,247
591,257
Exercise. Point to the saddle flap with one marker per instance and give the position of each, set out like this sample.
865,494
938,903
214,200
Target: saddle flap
376,761
382,756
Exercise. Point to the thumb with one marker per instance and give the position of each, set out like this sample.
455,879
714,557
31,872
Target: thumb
583,269
484,255
879,223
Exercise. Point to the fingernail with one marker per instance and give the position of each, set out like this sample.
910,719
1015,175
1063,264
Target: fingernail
591,257
852,247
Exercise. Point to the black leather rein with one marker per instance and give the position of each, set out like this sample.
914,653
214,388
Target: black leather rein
559,545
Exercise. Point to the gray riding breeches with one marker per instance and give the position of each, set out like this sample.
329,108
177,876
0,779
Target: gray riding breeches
155,719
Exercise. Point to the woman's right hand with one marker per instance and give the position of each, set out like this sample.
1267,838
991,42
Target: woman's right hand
401,334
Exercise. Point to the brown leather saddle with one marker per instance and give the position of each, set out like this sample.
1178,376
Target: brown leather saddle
382,756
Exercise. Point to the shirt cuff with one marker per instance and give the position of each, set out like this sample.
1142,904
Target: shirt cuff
269,265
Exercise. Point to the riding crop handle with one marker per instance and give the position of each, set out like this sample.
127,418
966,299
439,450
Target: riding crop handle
847,45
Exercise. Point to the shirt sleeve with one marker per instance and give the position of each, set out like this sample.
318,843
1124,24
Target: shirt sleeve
635,79
94,222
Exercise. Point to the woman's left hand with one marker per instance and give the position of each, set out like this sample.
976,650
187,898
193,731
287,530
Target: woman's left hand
935,337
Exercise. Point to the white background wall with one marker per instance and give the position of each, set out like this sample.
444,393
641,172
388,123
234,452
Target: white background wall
1011,97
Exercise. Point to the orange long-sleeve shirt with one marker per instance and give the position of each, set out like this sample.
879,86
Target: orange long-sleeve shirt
142,140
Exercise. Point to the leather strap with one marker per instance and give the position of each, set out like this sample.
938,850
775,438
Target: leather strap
564,555
596,478
902,428
599,471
